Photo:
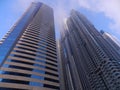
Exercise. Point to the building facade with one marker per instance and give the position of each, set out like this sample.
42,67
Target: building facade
28,54
88,61
112,40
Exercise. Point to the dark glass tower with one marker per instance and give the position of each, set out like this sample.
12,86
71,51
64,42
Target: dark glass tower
28,52
89,61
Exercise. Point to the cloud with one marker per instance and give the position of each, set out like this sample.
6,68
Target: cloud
62,8
110,8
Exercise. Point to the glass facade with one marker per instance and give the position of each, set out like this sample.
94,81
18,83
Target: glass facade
29,60
89,61
10,41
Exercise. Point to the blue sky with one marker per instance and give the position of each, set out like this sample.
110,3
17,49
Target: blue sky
104,14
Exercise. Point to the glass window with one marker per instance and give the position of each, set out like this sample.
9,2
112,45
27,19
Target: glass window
14,35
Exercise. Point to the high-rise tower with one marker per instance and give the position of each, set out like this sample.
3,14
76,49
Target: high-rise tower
28,52
112,40
89,62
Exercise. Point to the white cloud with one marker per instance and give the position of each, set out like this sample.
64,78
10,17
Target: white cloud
84,3
110,8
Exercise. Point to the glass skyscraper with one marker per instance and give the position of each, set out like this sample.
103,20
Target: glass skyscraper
89,62
28,52
83,59
112,40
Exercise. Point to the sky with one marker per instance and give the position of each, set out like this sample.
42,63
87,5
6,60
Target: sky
103,14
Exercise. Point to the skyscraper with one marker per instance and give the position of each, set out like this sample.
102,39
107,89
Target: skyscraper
88,61
28,52
112,40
